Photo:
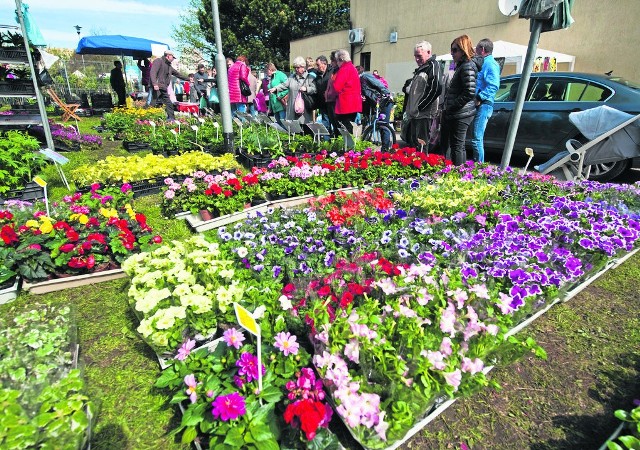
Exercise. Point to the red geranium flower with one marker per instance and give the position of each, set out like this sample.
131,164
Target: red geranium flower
8,235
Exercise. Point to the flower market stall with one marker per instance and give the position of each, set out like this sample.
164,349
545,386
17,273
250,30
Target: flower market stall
393,287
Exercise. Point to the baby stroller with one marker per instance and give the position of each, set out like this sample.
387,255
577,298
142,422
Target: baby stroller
613,136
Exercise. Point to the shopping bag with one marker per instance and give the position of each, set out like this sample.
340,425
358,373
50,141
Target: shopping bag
213,95
203,102
260,102
298,105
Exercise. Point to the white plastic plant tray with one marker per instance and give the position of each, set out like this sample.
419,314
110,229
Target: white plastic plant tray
58,284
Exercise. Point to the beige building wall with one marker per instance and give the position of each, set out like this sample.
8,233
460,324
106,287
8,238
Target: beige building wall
601,39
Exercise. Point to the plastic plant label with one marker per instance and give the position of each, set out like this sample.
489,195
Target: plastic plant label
246,320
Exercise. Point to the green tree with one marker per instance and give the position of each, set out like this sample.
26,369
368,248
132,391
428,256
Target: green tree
259,29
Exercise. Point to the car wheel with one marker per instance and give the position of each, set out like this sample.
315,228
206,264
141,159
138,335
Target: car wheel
608,171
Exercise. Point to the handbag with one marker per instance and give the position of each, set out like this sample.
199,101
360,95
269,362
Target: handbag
260,102
245,90
309,101
298,105
284,100
44,78
213,96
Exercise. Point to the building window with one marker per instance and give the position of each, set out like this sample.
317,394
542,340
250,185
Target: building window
365,61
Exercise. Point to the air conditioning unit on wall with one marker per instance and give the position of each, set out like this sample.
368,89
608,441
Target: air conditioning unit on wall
356,36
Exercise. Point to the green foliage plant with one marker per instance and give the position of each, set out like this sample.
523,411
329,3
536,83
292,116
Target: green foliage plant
41,392
20,160
630,441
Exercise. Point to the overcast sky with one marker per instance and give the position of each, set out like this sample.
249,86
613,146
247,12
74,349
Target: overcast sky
149,19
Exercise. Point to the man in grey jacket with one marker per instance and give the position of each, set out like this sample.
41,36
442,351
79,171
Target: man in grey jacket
161,72
421,99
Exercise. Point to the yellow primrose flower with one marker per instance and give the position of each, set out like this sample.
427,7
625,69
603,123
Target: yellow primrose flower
46,227
130,211
83,219
32,223
108,212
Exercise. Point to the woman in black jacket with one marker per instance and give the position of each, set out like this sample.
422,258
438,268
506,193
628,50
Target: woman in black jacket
460,107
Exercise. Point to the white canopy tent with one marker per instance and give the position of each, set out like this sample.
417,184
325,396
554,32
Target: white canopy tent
514,54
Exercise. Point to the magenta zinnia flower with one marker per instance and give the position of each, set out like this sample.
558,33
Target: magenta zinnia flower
228,407
248,365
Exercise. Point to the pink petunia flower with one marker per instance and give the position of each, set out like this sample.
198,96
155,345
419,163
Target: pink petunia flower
190,381
453,378
286,343
233,338
185,349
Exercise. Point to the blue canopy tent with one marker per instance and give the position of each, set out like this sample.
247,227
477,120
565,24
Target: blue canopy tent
116,44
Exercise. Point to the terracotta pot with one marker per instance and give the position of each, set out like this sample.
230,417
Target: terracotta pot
205,214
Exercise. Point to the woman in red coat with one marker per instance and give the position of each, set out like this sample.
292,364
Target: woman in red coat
347,87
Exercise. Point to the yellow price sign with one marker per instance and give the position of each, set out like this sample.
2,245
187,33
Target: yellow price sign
39,181
246,320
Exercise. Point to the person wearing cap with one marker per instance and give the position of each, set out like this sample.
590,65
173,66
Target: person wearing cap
161,72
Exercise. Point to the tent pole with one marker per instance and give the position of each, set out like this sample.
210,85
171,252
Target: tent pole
32,67
223,83
522,91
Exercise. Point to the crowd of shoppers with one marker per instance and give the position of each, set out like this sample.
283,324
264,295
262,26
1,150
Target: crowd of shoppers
439,106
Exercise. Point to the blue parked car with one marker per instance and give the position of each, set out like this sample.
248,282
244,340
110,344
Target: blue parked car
544,123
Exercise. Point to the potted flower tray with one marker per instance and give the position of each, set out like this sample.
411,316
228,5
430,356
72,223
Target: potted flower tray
134,146
577,287
30,193
8,294
198,225
58,284
17,87
15,54
441,403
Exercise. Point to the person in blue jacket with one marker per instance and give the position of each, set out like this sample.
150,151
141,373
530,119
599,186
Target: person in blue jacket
487,84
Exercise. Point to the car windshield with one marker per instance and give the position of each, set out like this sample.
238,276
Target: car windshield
628,83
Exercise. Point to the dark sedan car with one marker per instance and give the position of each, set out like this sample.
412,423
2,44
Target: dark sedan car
544,123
